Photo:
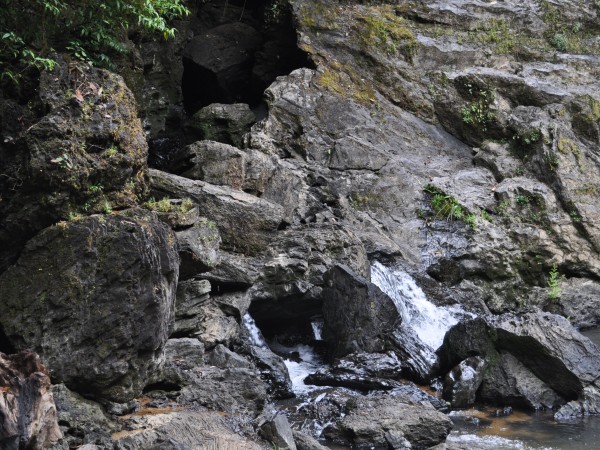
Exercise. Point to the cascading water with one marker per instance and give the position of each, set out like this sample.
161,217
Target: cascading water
424,324
317,329
256,337
300,360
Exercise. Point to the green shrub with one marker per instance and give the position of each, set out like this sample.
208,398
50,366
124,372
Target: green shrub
554,281
89,30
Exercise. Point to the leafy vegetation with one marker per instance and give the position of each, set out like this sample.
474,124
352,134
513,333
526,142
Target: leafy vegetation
447,207
91,31
554,282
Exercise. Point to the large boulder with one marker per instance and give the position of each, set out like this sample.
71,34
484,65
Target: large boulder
546,345
251,235
358,316
86,154
28,417
95,299
384,422
222,123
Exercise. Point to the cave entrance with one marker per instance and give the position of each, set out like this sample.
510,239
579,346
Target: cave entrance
238,50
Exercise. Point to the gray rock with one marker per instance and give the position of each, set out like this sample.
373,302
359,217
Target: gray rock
377,421
83,421
358,315
101,279
80,157
261,217
198,248
226,123
276,429
508,382
305,442
29,417
181,430
223,358
463,381
184,351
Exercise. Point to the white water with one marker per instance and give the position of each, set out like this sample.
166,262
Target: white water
309,363
430,322
256,337
317,328
298,371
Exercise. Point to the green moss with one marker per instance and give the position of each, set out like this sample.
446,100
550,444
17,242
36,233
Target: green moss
343,81
380,29
496,32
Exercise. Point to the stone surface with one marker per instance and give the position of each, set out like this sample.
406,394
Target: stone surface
384,422
250,235
198,248
84,155
83,293
28,417
509,382
226,123
463,381
276,429
358,315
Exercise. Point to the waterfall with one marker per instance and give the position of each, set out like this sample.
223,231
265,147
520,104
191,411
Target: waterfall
256,337
429,322
317,328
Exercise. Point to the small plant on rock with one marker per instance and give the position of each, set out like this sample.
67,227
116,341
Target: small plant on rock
554,282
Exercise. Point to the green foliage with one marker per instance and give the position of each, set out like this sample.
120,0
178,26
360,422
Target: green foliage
382,29
554,281
91,31
478,111
447,207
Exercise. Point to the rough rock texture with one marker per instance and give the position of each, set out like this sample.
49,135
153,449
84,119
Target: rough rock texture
87,153
226,205
28,417
509,382
198,248
548,347
385,422
95,298
462,382
358,315
82,421
222,123
183,430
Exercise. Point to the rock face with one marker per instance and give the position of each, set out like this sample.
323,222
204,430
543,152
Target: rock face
462,382
86,154
28,417
384,422
358,315
535,359
95,298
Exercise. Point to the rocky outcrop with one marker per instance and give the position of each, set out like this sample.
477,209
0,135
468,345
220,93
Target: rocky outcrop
385,422
358,316
462,382
86,154
28,417
222,123
553,362
82,295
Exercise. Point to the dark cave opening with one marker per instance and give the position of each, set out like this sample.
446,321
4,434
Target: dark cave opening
238,51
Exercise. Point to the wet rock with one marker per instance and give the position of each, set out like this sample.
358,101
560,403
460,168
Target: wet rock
545,343
377,421
27,410
273,371
261,217
276,429
85,155
462,382
101,279
198,248
508,382
358,316
226,123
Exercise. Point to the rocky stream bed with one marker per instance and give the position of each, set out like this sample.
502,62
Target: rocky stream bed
306,225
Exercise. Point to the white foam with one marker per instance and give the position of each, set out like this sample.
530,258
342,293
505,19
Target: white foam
256,337
317,328
430,322
309,363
